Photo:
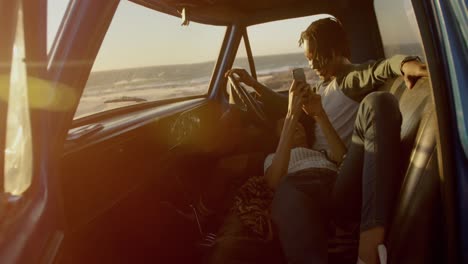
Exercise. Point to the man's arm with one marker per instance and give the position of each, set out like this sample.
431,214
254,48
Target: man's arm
275,104
365,78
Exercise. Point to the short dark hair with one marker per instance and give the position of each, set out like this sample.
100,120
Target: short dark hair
326,36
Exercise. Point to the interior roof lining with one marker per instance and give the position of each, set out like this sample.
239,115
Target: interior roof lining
224,15
365,44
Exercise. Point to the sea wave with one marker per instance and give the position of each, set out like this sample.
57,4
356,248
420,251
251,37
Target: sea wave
171,81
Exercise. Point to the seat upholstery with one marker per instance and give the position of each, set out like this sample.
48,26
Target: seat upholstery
414,104
415,232
415,235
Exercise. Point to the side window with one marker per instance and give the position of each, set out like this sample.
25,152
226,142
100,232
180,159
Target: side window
148,56
276,51
55,12
398,28
241,60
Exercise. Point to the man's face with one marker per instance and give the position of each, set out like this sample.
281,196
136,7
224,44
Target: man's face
325,69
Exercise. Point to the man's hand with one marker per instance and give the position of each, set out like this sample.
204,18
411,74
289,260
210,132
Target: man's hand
244,76
412,71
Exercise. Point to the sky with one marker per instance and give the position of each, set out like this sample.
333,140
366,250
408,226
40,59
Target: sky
139,36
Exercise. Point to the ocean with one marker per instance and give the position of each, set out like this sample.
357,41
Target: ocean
115,88
169,76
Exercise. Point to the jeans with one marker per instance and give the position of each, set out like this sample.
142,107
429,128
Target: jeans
364,191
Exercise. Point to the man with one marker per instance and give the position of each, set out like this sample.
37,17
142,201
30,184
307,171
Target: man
368,128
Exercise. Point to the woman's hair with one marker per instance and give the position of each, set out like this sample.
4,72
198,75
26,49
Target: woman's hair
326,36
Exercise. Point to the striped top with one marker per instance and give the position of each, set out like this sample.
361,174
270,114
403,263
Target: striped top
303,158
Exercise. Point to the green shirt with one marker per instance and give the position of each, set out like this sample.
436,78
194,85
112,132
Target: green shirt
358,80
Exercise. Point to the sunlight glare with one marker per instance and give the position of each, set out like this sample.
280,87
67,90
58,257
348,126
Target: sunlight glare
18,145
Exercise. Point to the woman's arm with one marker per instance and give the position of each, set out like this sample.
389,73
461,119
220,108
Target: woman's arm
313,107
279,165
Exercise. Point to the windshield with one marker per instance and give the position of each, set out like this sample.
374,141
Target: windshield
148,56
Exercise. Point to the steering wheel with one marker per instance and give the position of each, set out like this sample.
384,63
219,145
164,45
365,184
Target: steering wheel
246,102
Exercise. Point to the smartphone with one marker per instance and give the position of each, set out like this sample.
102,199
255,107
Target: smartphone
299,75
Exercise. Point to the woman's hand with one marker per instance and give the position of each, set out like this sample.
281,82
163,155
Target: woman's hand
244,76
313,105
297,91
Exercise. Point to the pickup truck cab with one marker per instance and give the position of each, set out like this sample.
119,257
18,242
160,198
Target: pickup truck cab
116,117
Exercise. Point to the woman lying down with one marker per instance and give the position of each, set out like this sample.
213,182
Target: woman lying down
302,185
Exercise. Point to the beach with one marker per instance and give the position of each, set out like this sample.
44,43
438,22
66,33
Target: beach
112,89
